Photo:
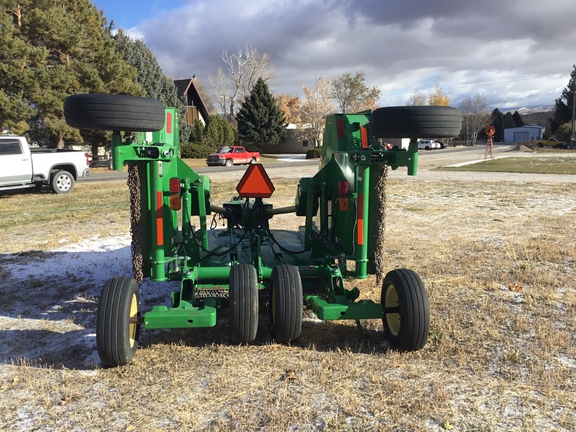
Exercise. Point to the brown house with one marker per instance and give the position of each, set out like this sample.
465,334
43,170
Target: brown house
195,108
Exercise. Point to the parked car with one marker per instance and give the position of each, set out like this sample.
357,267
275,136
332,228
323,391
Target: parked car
550,142
232,155
428,145
22,166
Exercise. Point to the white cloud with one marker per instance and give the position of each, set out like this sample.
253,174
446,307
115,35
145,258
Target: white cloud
401,46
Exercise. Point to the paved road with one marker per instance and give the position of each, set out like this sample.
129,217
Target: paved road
300,168
217,172
428,161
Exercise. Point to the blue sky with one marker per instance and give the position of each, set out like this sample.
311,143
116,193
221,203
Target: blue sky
516,53
127,14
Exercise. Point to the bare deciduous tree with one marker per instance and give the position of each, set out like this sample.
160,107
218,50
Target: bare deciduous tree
290,107
417,99
208,103
352,95
243,69
475,117
221,85
318,103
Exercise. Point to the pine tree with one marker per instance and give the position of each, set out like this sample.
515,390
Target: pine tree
218,132
498,123
563,109
260,120
15,78
63,49
517,119
149,75
508,121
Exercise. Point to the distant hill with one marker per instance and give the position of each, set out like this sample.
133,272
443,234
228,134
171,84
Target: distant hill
536,115
533,110
541,118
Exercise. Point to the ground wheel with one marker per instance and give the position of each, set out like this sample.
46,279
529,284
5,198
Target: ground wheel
243,293
406,312
252,161
114,112
62,182
286,303
228,162
117,329
416,122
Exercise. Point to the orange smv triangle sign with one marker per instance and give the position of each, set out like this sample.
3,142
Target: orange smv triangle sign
255,183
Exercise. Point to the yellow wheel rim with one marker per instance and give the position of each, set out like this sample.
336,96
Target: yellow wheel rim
392,318
133,315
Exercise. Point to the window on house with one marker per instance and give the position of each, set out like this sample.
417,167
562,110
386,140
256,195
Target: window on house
305,143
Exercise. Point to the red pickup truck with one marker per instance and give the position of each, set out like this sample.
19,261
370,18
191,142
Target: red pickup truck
233,155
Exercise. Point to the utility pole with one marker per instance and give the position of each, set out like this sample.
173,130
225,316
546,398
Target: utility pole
572,131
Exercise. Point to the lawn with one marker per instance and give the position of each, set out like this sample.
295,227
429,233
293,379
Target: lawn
498,262
530,165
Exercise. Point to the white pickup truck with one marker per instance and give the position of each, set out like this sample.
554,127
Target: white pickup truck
22,166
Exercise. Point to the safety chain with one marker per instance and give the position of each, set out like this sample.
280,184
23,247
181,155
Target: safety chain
135,222
381,218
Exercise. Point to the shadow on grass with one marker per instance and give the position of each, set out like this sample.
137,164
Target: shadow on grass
49,302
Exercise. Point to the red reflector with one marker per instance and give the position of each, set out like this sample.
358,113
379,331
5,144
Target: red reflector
168,123
255,183
343,187
343,204
87,158
175,185
159,221
360,229
175,202
360,220
340,128
364,137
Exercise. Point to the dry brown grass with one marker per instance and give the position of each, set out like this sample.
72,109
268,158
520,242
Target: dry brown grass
498,261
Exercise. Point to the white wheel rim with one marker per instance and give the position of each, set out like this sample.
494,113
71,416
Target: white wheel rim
63,183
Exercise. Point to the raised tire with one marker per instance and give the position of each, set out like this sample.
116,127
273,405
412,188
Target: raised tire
416,122
406,312
243,293
61,182
117,331
286,303
114,112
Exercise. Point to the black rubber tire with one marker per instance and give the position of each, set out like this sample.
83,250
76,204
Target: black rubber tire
416,122
228,162
116,338
252,161
539,145
406,315
286,303
61,182
243,293
114,112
